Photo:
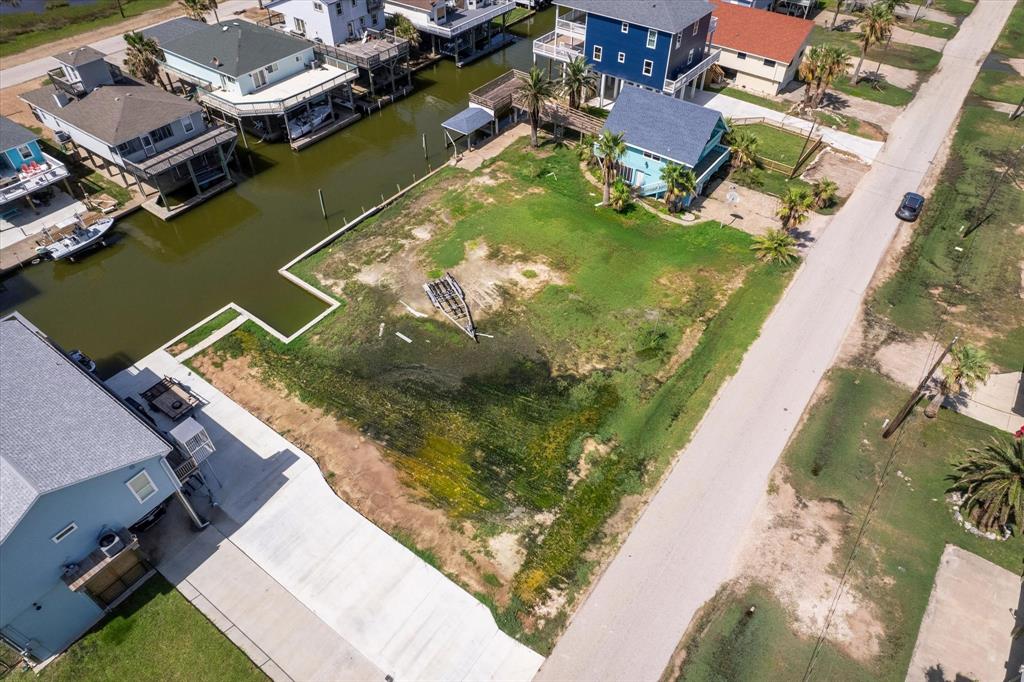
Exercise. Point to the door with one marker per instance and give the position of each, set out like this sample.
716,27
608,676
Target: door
147,144
259,78
638,179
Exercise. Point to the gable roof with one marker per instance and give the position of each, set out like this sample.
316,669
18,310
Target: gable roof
13,135
117,113
673,128
760,32
173,29
78,56
59,426
671,16
235,48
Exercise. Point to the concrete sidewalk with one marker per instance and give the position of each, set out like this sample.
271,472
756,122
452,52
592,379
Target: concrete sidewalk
866,150
334,586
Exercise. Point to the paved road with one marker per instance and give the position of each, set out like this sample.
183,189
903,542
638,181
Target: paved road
686,543
38,68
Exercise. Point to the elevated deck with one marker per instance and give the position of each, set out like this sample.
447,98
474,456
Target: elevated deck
502,95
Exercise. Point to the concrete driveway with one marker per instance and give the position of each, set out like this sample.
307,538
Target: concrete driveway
688,539
300,579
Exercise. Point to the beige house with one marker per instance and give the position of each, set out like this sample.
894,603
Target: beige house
761,50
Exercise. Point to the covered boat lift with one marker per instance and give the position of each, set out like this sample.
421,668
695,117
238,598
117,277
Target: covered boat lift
467,122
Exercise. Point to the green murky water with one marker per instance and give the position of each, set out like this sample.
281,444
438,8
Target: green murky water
159,278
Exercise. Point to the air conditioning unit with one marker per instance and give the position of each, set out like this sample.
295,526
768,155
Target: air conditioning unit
111,543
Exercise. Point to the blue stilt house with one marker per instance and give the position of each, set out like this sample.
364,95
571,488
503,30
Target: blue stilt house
660,130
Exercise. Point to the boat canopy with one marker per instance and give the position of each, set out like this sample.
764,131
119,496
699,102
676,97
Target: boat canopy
468,121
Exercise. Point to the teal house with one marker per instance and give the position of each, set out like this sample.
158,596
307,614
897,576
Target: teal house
660,130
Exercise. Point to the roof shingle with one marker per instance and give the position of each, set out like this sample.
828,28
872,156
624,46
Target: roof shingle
671,16
760,32
673,128
13,135
234,48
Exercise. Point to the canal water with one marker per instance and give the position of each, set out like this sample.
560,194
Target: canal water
158,278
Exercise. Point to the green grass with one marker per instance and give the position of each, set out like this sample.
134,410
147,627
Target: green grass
1000,86
96,183
24,30
958,8
491,432
201,332
518,14
767,181
936,29
851,125
838,455
1011,40
737,93
979,302
899,55
154,635
776,144
883,93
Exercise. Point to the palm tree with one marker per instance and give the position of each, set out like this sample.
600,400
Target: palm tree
796,203
680,182
809,72
197,9
992,484
834,63
535,89
875,25
775,246
967,366
621,196
610,148
742,148
824,192
143,57
577,81
585,149
406,30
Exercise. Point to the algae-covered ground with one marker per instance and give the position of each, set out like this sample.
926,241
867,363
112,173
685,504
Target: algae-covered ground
520,458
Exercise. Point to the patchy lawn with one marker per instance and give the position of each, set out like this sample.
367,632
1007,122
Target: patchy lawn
901,55
1011,40
838,456
202,331
958,8
1000,86
849,124
928,27
153,635
776,144
519,459
738,93
882,92
767,181
974,284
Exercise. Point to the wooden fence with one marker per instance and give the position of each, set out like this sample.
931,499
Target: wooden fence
812,145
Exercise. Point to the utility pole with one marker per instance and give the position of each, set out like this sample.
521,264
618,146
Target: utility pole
807,139
835,15
120,8
918,392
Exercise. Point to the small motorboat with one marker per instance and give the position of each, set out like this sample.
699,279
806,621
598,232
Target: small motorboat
82,360
306,122
82,238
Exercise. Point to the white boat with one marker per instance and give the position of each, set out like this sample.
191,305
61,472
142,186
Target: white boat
81,238
307,122
83,360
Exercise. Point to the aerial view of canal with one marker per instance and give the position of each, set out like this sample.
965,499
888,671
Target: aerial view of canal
158,278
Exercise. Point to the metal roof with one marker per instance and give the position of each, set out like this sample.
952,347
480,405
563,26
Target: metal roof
235,48
673,128
671,16
59,426
116,113
14,135
78,56
468,120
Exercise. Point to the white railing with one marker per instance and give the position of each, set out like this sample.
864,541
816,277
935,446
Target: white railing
462,25
672,86
653,188
54,172
547,46
256,107
573,28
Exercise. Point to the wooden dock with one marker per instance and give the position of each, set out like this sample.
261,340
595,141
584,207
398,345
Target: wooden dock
343,121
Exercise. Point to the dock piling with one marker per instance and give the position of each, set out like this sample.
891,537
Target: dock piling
323,209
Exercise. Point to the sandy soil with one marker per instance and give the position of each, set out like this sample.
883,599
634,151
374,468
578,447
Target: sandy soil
843,169
361,473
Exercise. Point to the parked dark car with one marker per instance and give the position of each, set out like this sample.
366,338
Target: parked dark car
910,207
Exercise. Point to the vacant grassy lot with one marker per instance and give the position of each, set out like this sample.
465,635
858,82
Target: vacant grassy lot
1000,86
839,455
931,28
972,284
900,55
737,93
958,8
776,144
23,30
155,635
883,93
610,336
1011,40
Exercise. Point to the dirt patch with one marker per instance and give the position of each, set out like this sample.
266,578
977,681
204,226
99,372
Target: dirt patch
843,169
907,361
793,548
485,277
361,474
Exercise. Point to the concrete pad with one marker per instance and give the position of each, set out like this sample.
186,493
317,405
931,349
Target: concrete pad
966,631
999,402
258,656
27,224
187,591
274,672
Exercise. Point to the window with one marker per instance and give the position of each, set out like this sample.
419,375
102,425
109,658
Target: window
622,58
652,157
351,31
64,532
689,57
187,125
741,55
26,153
648,67
362,21
652,39
769,62
161,133
271,68
339,9
597,53
300,26
142,486
625,27
373,18
696,25
129,147
679,40
318,7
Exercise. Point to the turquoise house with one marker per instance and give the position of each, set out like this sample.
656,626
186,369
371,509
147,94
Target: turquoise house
660,130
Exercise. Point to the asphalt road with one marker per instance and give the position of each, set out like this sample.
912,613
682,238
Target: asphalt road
687,541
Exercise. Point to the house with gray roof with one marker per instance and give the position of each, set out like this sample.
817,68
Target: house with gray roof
660,45
275,83
660,130
138,134
78,470
464,30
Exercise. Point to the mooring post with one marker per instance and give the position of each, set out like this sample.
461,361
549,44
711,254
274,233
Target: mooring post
323,209
424,145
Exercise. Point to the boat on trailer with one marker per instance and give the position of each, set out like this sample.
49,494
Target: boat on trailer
81,238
